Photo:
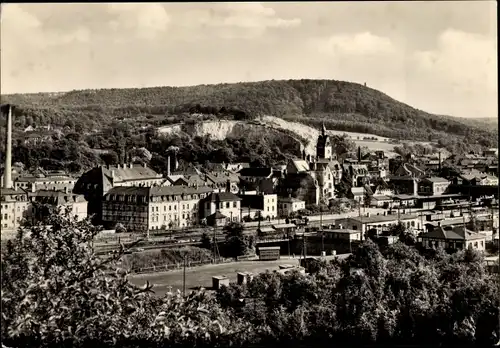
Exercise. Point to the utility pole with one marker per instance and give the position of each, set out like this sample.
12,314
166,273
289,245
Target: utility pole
184,277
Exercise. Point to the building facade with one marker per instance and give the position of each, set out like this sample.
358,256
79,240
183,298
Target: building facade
15,206
52,200
152,208
433,186
226,203
289,205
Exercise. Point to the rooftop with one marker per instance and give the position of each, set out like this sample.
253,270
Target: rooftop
340,230
223,197
435,179
289,200
382,218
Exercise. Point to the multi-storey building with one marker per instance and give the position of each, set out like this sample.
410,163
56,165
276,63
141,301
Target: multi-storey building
44,180
289,205
95,183
433,186
15,206
265,204
153,208
226,203
63,200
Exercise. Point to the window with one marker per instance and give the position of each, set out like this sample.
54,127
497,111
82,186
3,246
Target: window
234,205
227,204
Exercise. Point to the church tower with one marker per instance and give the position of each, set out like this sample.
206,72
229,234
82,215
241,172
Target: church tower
324,148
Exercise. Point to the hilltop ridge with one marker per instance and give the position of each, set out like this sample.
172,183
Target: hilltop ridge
340,105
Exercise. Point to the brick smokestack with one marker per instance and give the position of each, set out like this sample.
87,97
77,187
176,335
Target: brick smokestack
8,151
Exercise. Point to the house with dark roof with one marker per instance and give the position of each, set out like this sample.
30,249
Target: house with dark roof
302,186
226,203
95,183
404,185
264,205
52,200
458,238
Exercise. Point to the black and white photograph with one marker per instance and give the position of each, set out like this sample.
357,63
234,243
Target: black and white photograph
249,174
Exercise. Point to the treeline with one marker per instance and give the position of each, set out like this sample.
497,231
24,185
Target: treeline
119,143
344,105
390,295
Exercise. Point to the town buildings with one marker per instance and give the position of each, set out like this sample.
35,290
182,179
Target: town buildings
289,205
62,201
153,208
457,237
95,183
379,222
45,180
226,204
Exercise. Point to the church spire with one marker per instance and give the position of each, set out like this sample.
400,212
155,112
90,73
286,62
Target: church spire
323,129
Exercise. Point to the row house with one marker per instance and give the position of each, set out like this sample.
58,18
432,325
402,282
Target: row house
152,208
265,205
95,183
43,180
15,206
63,201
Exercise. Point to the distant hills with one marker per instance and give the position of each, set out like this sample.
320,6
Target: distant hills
341,105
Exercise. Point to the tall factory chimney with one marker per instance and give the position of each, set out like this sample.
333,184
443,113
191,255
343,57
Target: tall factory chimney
7,182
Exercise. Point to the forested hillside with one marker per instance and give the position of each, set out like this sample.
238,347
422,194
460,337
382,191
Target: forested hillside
341,105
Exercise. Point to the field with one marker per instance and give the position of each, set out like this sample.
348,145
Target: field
202,276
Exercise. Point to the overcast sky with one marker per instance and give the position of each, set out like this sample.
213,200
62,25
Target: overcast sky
440,57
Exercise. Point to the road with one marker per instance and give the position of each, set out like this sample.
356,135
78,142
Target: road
202,276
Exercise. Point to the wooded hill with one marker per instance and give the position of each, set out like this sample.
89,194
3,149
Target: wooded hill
341,105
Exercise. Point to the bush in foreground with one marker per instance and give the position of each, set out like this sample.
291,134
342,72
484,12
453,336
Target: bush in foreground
55,291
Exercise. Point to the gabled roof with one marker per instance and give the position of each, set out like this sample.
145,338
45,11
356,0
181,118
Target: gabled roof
178,190
129,190
217,216
300,165
135,172
435,179
221,178
457,233
57,197
223,197
289,200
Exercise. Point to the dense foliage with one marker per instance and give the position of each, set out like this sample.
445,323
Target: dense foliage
56,291
121,143
341,105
